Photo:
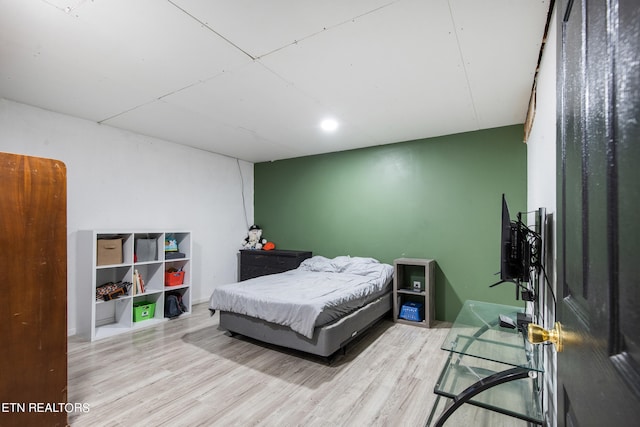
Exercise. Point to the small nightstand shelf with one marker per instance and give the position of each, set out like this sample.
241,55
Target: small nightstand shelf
413,281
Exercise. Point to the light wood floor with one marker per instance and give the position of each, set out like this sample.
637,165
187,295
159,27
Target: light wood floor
186,372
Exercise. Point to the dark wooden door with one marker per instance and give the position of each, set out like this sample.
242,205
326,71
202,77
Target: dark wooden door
598,206
33,291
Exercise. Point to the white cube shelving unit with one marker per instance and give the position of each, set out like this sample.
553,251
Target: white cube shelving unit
99,319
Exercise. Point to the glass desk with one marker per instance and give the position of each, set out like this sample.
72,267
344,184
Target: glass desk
489,366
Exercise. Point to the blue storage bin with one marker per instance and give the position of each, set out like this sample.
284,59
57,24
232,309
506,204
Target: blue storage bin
413,311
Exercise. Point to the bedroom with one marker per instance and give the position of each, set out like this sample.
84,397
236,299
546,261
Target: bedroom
122,179
119,179
89,150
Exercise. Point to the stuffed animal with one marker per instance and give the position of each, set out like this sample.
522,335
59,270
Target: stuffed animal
254,240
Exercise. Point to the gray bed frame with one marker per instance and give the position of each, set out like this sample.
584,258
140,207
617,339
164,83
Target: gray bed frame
326,340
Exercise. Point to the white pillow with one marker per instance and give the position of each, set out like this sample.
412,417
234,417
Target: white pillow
317,263
372,269
341,264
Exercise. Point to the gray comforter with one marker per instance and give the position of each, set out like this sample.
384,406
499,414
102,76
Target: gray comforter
317,292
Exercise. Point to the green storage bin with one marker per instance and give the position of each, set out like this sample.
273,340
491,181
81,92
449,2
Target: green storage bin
143,310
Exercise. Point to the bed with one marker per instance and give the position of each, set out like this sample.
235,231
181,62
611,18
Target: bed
317,308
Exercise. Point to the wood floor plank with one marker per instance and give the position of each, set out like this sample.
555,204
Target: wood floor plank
187,372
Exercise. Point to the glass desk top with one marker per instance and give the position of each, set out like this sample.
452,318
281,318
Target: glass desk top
492,350
477,332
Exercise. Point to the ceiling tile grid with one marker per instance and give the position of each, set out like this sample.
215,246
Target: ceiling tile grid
261,27
252,79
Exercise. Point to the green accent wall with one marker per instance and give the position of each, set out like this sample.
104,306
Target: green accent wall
436,198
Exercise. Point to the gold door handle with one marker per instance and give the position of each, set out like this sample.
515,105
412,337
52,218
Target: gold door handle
537,334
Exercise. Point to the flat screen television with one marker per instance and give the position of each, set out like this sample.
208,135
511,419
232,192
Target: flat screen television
521,256
515,249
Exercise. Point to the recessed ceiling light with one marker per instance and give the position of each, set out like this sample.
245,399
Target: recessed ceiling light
329,125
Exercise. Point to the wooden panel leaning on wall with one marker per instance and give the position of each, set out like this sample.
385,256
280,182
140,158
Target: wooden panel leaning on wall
33,291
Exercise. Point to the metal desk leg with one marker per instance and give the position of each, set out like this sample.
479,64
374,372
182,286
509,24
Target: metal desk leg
480,386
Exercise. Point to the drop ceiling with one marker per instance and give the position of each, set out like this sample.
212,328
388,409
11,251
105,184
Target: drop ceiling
254,79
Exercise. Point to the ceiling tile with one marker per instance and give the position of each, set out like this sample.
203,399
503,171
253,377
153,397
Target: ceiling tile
255,101
391,74
188,127
493,37
260,27
105,57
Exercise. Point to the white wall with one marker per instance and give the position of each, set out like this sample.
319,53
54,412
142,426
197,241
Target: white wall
121,180
541,147
541,192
